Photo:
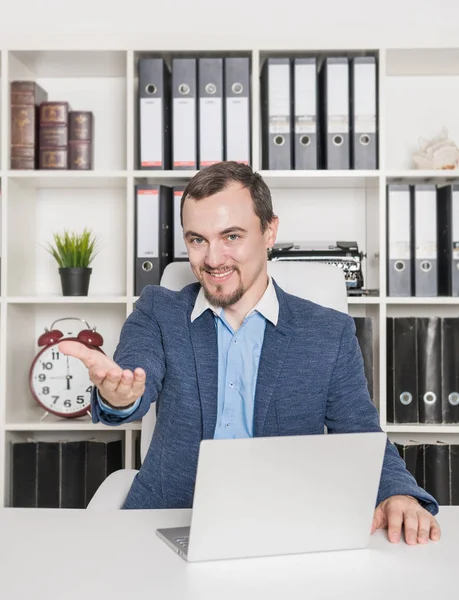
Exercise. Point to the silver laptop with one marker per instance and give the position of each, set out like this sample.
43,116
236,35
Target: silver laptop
281,495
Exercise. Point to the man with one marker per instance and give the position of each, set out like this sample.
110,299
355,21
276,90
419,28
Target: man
233,355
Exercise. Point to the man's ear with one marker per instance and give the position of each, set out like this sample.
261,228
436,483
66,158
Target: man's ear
271,232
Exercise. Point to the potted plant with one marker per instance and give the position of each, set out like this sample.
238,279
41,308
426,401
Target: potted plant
74,253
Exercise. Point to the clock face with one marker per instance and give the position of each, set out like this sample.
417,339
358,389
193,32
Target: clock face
61,383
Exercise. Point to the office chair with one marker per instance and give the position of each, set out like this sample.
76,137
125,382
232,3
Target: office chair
320,283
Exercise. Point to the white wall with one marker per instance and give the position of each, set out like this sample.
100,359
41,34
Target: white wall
369,22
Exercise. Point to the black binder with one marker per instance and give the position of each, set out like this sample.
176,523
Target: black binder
454,465
429,369
364,112
402,393
448,240
154,123
413,455
335,125
306,146
102,459
48,473
210,119
24,475
450,369
237,110
276,114
437,472
180,252
153,234
184,114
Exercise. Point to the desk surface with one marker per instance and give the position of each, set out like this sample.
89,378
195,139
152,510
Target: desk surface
94,555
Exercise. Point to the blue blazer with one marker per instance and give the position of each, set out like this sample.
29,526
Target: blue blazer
310,374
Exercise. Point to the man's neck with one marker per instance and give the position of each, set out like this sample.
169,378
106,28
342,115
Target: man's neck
236,313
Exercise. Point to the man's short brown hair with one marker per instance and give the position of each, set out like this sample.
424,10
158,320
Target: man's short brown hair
215,178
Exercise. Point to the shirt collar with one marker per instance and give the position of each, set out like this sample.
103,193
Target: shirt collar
268,305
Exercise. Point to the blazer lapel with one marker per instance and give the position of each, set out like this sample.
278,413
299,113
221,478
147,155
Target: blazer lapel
275,345
204,341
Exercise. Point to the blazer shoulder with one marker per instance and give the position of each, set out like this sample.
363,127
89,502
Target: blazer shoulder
156,298
307,312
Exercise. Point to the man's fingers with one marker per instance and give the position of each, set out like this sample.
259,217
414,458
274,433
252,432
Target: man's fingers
112,380
378,520
394,524
411,525
97,375
424,520
78,350
125,385
138,386
435,531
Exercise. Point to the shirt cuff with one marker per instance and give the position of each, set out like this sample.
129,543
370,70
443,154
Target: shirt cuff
121,412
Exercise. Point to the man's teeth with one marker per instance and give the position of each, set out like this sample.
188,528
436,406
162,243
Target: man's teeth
221,274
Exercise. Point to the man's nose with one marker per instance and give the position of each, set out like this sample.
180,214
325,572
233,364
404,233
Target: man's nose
215,255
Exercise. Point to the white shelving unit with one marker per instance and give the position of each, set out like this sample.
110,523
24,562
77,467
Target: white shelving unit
418,94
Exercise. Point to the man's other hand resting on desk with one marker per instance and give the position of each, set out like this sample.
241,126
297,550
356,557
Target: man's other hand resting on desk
405,511
118,388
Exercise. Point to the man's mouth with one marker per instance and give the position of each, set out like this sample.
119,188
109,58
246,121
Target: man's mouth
220,275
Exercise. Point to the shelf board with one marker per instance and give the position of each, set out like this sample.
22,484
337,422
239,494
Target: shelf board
436,177
321,179
68,425
69,179
170,177
437,300
73,63
421,428
363,300
58,299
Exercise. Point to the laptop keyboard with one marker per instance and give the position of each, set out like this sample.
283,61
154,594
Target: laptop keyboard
182,541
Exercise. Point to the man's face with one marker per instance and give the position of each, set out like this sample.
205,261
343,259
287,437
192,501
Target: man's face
226,247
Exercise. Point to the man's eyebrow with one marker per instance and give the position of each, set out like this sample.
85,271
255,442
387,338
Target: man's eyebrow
189,234
233,229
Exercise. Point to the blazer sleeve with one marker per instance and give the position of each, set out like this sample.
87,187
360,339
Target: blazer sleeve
140,345
350,409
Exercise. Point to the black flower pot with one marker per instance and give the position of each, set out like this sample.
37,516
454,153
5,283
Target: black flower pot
75,280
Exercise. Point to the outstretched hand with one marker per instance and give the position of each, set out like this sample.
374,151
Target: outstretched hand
405,511
120,388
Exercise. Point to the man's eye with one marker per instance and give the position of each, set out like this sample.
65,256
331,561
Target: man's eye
233,237
196,240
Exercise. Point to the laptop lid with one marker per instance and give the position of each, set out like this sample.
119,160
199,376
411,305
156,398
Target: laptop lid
285,495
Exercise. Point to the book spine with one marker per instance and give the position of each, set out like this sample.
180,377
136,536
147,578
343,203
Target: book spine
25,98
81,136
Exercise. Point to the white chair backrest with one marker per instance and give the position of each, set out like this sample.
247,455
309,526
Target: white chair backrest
320,283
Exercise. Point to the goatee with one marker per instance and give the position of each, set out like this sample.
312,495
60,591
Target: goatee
220,301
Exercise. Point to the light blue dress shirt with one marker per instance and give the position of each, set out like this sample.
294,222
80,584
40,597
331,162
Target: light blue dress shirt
238,359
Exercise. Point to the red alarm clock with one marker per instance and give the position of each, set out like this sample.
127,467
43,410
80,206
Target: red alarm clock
60,383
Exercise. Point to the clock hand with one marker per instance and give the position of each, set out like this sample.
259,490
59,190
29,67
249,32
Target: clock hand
68,373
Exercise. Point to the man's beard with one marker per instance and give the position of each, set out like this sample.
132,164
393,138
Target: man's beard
220,301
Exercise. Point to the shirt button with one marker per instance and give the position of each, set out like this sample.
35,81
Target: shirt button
231,384
227,425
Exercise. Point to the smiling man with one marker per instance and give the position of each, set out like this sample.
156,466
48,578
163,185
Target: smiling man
233,355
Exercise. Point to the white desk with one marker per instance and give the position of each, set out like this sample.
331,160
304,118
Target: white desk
92,555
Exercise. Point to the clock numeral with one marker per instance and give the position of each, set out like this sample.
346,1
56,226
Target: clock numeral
45,390
55,398
80,399
89,389
67,403
42,377
47,365
56,355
